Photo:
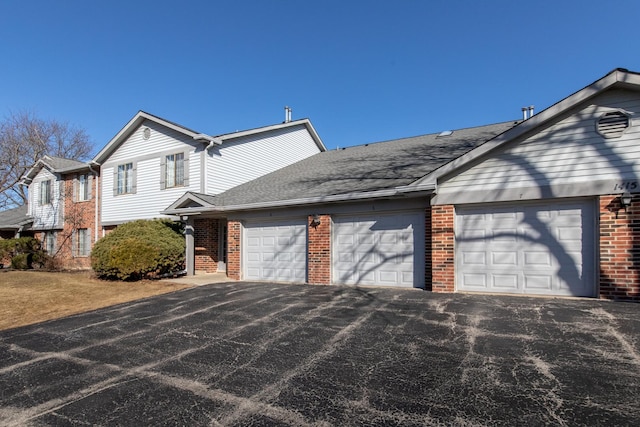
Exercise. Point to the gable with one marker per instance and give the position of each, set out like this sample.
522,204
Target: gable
149,139
567,157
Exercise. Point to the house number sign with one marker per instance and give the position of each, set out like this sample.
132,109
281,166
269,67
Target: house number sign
625,185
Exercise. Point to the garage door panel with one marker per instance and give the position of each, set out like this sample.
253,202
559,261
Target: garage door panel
537,259
503,258
477,281
543,245
275,251
379,249
538,282
504,281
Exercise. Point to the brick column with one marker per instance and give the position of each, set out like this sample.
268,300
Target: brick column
319,251
619,249
427,251
233,249
442,248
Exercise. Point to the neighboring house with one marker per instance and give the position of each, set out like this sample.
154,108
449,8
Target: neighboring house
543,206
13,222
63,208
144,168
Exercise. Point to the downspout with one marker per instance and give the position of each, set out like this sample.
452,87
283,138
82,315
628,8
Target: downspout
97,202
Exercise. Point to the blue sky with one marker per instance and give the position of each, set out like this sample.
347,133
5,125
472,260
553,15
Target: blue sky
362,71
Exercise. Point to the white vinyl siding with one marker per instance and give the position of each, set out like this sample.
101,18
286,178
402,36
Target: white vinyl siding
238,161
46,215
570,151
543,248
149,199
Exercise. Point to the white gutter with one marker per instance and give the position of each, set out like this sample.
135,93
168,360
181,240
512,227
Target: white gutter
349,197
204,137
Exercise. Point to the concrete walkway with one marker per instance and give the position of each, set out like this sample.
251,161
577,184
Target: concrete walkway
200,279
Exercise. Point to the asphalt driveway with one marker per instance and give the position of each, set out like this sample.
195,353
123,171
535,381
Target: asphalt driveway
264,354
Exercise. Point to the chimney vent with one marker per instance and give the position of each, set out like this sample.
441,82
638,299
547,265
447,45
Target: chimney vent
287,114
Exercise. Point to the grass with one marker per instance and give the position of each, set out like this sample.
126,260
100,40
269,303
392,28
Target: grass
32,296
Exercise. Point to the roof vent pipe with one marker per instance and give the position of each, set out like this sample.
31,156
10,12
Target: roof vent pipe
524,113
287,114
530,111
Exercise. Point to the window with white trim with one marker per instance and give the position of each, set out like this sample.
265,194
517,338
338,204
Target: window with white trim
124,179
44,195
83,191
174,170
50,242
82,242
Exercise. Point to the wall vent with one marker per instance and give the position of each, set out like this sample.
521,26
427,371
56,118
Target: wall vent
612,125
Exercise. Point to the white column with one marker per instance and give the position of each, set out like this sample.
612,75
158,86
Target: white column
190,257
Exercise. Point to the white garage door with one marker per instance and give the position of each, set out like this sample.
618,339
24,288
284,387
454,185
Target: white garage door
379,250
527,249
275,251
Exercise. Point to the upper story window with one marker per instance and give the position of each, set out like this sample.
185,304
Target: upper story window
173,172
44,196
83,188
125,175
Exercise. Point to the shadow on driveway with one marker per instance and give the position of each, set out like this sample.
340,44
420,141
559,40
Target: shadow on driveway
264,354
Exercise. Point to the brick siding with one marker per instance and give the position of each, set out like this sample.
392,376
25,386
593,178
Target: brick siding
319,251
233,249
619,249
442,249
206,245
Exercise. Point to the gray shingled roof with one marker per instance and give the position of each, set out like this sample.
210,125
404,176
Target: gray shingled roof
60,164
369,167
13,218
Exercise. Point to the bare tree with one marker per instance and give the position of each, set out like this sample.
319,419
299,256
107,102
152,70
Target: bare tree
25,138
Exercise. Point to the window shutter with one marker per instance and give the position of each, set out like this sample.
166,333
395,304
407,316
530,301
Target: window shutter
87,243
186,169
163,172
76,186
74,243
115,180
89,185
134,181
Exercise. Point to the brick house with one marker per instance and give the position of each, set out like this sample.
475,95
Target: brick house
545,205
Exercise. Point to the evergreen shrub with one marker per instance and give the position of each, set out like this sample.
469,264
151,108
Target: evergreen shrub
138,250
23,253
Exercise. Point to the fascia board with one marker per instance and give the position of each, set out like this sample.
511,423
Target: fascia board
613,78
398,192
305,122
186,197
136,121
